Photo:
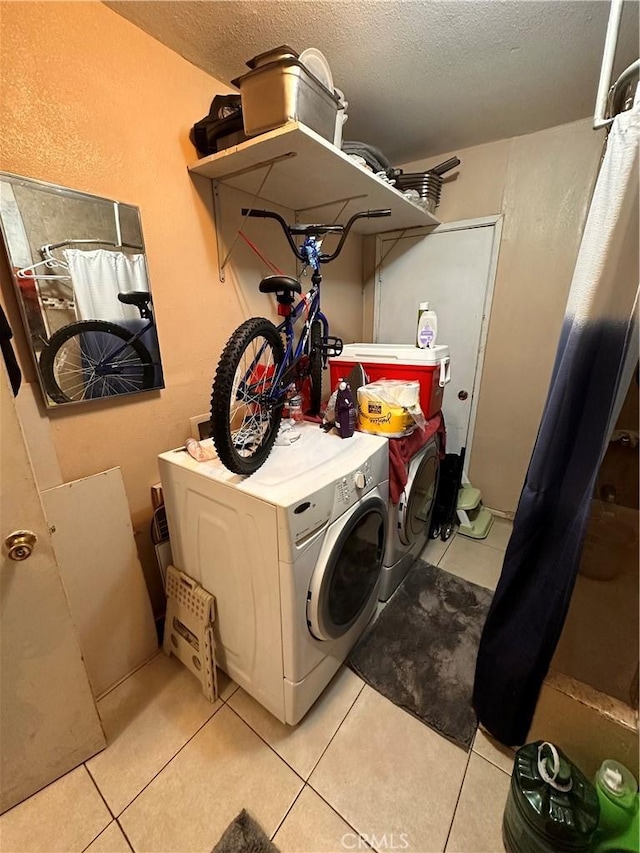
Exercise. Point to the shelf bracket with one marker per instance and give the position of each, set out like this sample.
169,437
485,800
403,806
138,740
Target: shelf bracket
378,267
218,217
262,165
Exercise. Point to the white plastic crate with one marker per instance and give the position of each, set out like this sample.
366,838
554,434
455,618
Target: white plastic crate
188,629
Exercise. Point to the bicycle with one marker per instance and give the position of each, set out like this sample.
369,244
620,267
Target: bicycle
91,359
256,369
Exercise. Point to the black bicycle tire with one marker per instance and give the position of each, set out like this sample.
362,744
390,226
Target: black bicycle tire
315,367
222,390
59,338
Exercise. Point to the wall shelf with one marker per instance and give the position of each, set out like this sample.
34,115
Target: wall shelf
308,174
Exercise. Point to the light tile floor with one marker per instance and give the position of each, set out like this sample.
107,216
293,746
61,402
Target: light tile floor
358,773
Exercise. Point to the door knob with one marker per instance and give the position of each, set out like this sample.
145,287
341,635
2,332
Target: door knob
20,544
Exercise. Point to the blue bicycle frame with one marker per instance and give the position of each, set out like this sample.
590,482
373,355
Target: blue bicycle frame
292,355
311,256
106,368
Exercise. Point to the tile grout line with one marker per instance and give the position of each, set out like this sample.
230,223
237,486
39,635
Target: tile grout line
237,687
84,849
331,739
288,811
109,809
492,763
115,817
455,808
275,751
484,544
239,715
126,837
441,557
304,781
125,678
341,816
116,821
111,814
308,782
166,764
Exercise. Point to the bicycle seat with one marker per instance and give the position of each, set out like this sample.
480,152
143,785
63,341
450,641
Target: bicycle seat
279,283
135,297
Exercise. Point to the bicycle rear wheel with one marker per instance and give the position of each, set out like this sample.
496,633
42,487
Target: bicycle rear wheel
81,362
315,368
245,416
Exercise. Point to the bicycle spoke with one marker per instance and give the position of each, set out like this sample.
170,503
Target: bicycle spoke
77,364
248,413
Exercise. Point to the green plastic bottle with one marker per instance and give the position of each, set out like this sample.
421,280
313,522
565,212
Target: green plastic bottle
619,826
552,807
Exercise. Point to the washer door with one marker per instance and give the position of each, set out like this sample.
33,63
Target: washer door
414,512
344,581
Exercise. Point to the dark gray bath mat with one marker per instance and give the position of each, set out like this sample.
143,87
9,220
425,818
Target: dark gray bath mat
244,835
421,651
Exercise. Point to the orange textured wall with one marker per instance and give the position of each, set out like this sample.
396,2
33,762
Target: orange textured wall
91,102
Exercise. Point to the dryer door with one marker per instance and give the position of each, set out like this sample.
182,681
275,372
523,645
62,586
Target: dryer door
347,573
415,512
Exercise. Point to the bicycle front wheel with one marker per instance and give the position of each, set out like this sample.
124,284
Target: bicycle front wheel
92,359
245,415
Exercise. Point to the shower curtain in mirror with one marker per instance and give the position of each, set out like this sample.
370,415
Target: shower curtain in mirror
596,357
98,276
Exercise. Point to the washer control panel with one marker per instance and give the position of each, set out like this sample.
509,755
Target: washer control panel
350,488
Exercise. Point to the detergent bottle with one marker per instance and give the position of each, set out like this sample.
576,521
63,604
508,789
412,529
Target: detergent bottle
427,327
345,411
619,825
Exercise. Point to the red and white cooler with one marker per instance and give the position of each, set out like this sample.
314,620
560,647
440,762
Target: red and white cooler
430,366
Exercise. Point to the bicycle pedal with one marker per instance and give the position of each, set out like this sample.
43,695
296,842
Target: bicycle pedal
332,346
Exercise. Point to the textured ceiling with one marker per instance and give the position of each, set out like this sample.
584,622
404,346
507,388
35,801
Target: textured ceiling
421,76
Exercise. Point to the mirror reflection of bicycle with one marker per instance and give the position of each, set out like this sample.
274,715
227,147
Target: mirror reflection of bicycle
91,359
256,369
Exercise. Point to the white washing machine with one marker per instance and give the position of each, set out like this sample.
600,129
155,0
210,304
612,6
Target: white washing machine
409,520
293,555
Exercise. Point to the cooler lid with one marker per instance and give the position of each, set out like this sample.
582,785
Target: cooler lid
393,353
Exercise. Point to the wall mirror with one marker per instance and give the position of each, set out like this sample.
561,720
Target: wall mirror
81,276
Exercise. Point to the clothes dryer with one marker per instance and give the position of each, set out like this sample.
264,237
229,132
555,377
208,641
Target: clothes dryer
293,555
410,518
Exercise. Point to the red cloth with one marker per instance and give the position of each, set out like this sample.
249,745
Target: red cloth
402,449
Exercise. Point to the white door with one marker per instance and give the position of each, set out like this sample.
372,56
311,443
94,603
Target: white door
48,718
453,268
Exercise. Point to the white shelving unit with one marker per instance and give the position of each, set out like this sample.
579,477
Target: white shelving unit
309,174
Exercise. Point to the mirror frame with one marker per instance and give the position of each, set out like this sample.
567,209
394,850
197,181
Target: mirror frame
62,191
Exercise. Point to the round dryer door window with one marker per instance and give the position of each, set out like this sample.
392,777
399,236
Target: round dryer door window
422,492
342,588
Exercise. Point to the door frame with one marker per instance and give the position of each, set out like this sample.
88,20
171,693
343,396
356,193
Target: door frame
496,222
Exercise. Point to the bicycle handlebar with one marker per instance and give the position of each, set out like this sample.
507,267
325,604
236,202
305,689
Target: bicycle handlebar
363,214
315,230
270,214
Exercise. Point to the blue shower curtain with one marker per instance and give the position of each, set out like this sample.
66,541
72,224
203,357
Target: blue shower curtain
597,353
